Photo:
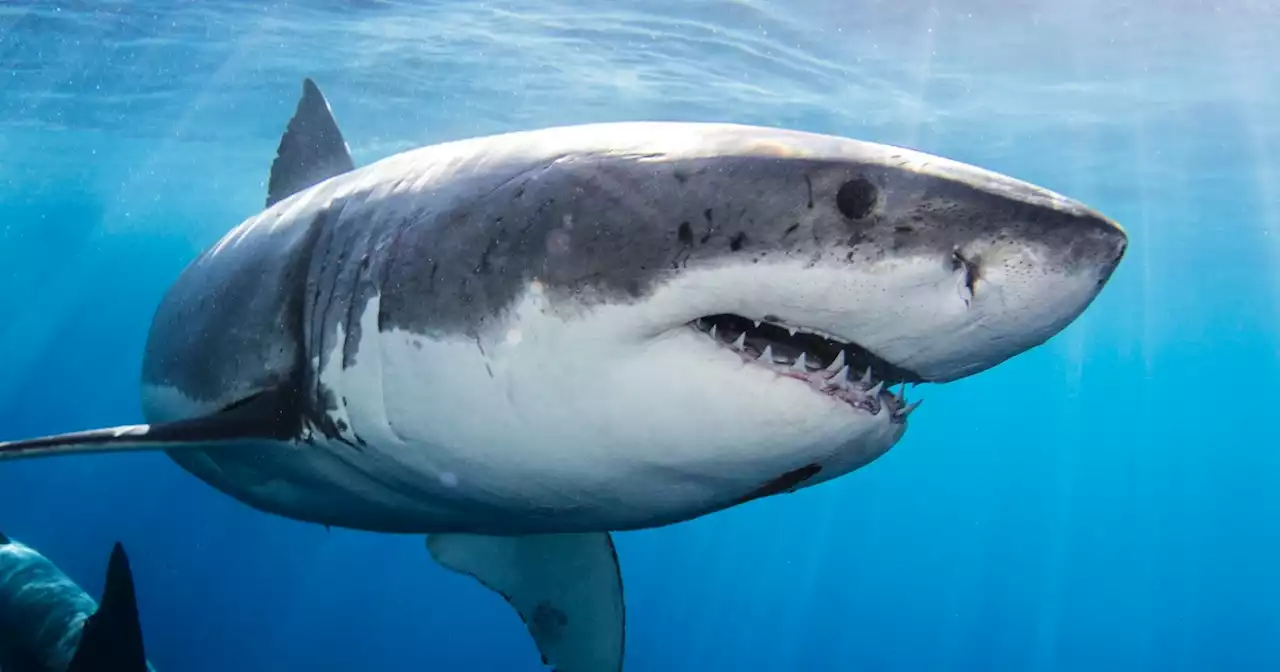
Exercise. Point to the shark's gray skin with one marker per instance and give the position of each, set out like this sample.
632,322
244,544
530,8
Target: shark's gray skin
520,343
49,624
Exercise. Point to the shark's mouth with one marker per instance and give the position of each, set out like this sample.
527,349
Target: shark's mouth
846,371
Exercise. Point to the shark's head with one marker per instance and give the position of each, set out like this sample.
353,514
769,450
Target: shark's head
920,268
728,300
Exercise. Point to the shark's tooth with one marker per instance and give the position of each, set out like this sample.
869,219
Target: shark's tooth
866,378
875,391
903,413
799,364
713,331
767,355
837,364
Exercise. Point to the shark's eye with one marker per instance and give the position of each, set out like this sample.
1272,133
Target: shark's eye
856,198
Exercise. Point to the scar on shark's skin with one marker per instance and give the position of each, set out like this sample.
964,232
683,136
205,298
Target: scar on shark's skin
519,344
784,483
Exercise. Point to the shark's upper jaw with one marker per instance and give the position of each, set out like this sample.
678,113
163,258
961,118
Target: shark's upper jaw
840,369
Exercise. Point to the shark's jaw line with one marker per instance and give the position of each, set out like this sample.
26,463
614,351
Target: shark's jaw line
840,369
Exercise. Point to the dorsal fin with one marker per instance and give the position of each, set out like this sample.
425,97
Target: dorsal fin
311,150
112,637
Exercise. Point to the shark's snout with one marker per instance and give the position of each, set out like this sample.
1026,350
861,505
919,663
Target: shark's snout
1018,263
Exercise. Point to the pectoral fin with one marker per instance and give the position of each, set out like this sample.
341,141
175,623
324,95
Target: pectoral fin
263,416
566,587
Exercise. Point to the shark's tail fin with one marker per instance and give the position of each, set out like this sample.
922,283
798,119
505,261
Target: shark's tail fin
112,637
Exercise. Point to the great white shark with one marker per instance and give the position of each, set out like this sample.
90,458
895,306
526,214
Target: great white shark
518,344
48,623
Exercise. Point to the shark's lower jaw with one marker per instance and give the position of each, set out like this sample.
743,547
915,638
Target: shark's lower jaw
841,370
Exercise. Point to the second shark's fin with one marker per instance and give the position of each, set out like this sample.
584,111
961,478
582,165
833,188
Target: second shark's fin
312,149
111,640
566,587
262,416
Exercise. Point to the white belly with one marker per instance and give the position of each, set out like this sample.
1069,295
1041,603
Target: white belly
542,429
551,425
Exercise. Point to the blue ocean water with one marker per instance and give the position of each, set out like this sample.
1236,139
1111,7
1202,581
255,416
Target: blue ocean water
1105,502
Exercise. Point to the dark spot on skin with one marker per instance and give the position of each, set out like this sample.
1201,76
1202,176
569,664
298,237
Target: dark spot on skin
903,229
784,483
489,369
808,183
483,266
519,193
548,623
417,345
772,318
680,176
330,428
856,198
738,240
790,230
685,234
431,279
706,214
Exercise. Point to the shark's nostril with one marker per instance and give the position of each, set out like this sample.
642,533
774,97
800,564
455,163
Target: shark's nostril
970,267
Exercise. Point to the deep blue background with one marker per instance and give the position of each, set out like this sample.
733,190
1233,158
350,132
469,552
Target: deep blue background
1107,501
